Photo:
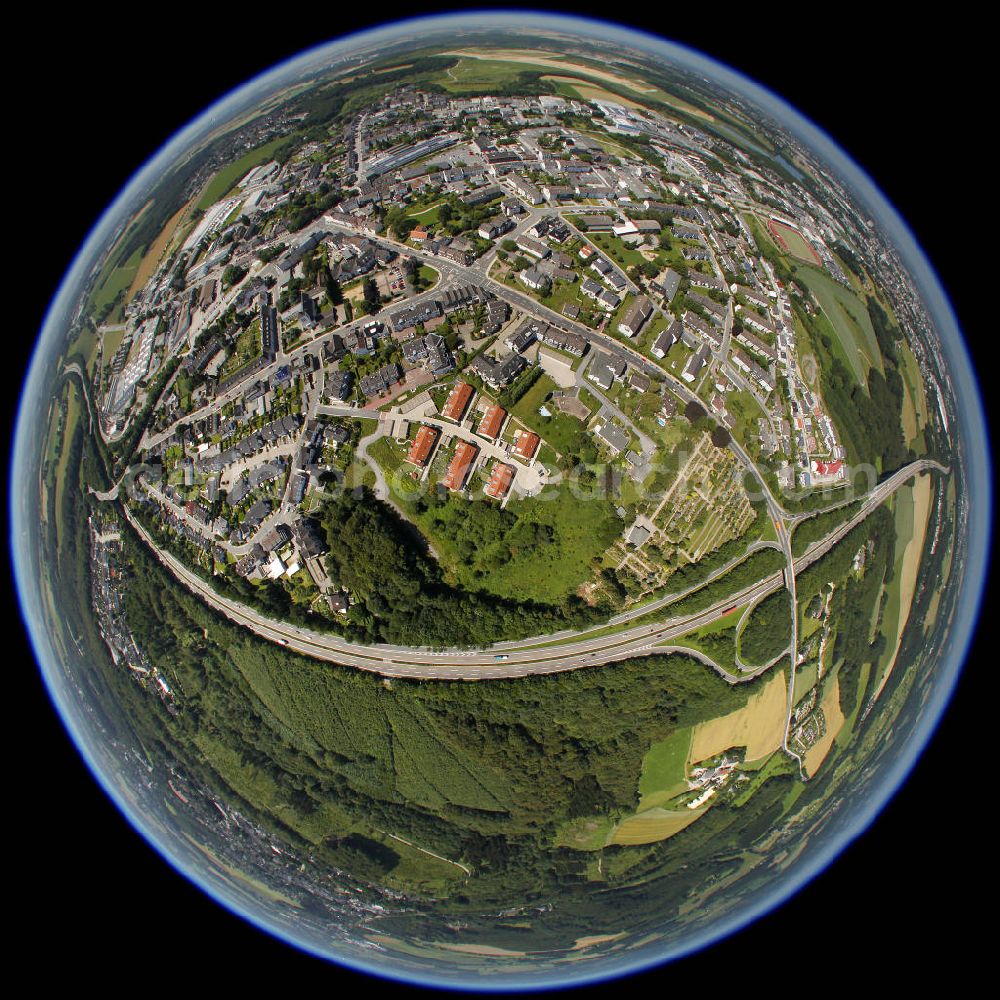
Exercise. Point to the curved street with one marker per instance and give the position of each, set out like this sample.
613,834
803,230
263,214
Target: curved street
537,655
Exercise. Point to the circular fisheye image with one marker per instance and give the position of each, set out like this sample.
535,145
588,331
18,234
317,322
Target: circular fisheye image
500,501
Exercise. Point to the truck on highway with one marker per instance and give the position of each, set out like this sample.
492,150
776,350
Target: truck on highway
501,656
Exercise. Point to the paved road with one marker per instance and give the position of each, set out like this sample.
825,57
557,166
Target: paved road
529,656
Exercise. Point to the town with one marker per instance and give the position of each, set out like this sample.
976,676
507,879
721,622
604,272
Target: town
478,296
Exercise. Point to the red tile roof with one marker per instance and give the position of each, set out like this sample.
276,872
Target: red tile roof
526,444
458,468
423,445
492,421
458,400
500,479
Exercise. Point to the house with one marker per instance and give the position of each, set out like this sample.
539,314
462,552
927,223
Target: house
636,316
460,465
695,363
525,444
602,375
523,187
760,323
497,374
338,385
529,246
492,421
422,446
533,278
523,337
501,478
378,382
562,340
609,300
614,437
457,402
495,227
666,339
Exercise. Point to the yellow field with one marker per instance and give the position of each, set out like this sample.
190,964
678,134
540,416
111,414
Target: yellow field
653,825
589,92
479,949
759,725
152,256
830,705
911,564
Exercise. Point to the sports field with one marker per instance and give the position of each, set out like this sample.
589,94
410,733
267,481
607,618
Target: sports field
758,726
792,241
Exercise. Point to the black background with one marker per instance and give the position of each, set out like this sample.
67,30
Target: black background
903,99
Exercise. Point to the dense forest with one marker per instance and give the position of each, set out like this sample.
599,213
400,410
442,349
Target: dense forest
401,594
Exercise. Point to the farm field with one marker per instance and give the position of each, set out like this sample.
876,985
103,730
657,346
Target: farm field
805,678
914,399
654,824
113,282
73,411
913,504
155,251
758,726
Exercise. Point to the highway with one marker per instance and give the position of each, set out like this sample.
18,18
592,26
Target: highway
538,655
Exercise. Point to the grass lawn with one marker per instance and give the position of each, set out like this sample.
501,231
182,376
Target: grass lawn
557,430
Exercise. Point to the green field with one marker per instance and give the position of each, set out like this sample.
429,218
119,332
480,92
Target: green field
664,769
805,679
112,282
233,172
915,401
73,411
848,316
